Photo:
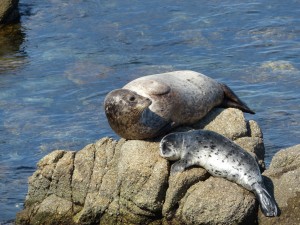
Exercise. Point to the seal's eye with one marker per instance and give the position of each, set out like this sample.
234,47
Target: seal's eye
132,98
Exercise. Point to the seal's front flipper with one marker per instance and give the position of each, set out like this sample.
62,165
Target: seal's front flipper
232,100
179,166
182,164
149,86
166,128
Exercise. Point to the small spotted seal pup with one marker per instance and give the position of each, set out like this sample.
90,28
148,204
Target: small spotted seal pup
220,157
152,105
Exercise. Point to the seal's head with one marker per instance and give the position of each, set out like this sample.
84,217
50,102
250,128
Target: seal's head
170,146
123,109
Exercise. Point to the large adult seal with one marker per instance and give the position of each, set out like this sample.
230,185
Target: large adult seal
152,105
220,157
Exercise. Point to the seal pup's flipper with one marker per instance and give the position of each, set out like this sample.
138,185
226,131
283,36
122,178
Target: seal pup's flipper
267,203
181,165
178,166
232,100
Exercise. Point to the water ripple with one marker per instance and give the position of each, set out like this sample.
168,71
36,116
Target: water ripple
65,56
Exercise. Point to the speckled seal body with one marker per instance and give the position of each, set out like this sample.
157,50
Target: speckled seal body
177,98
220,157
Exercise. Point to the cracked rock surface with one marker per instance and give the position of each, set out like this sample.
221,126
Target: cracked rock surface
127,182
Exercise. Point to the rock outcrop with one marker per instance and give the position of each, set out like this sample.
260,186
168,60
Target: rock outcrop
127,182
9,11
283,176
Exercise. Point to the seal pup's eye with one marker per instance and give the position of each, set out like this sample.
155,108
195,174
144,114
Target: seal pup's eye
132,98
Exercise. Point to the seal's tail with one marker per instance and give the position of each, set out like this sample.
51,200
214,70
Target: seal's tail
232,100
267,203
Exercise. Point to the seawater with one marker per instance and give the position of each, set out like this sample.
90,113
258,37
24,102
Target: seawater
57,66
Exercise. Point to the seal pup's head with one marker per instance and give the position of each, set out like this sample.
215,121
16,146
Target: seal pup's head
171,146
123,108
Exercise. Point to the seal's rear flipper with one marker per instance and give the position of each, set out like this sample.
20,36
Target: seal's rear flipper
233,101
267,203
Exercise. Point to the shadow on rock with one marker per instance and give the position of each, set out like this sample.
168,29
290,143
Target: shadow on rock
282,178
270,187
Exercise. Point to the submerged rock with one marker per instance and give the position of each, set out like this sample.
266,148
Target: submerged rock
127,182
12,37
9,11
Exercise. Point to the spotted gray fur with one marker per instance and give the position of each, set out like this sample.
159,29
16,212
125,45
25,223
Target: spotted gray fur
220,157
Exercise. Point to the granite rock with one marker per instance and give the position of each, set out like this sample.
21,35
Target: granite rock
127,182
283,177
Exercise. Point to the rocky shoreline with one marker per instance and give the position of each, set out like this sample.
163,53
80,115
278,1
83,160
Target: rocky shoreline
127,182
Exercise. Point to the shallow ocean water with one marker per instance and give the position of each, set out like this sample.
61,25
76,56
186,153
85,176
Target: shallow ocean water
58,65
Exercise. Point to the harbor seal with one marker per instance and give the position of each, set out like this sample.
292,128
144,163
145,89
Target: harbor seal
152,105
220,157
